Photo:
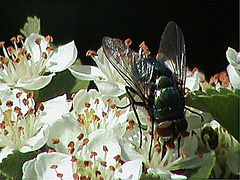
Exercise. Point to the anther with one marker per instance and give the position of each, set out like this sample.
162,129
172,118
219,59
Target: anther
10,50
19,38
49,38
44,55
9,103
55,141
38,41
54,167
13,39
80,137
49,49
91,53
128,42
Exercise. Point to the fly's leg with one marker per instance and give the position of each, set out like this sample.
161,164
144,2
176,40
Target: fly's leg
133,102
152,136
195,113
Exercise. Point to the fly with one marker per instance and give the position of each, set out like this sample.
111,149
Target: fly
158,81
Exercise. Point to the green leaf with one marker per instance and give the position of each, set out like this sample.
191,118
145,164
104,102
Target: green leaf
205,171
62,83
31,26
222,104
12,165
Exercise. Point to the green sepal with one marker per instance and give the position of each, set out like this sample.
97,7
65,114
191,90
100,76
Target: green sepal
31,26
11,166
222,104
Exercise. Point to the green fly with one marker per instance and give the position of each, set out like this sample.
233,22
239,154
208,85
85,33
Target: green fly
158,81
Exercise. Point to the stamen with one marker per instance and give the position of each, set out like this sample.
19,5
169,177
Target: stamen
19,38
49,49
44,55
80,137
55,141
41,107
91,53
128,42
49,38
38,41
85,141
9,103
54,167
10,50
87,105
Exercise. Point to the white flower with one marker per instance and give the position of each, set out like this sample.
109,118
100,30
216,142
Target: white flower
233,68
193,79
163,164
25,67
104,75
92,165
227,151
91,111
21,127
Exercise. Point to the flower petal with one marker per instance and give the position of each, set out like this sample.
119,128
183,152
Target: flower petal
35,50
37,141
110,88
233,76
55,108
63,58
97,140
231,56
36,83
130,170
86,72
5,152
42,165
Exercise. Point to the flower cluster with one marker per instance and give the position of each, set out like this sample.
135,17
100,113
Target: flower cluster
96,134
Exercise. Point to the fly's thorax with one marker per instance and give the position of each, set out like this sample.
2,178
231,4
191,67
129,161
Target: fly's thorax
163,82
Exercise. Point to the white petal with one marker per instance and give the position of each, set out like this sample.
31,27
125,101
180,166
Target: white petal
233,76
65,129
63,58
109,88
177,176
35,83
5,152
231,56
130,170
55,108
97,140
33,48
86,72
80,99
41,166
37,141
29,171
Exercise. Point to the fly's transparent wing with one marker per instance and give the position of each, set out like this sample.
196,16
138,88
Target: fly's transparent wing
135,71
172,52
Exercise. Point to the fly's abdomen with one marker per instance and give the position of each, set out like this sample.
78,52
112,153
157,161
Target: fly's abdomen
168,102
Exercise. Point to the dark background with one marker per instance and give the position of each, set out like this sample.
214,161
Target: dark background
209,27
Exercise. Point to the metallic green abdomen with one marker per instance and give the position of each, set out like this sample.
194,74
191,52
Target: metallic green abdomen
168,102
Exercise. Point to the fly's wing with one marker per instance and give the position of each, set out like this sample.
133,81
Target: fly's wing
134,70
172,52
